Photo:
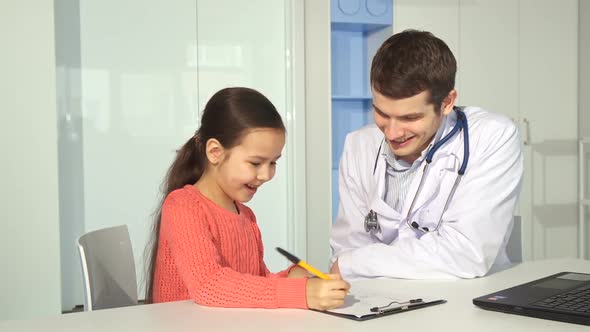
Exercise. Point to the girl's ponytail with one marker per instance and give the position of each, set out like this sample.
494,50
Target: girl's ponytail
188,166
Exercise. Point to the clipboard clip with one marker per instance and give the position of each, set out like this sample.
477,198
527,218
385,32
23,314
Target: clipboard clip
400,306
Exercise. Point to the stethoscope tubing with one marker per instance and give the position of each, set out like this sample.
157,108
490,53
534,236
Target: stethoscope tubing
460,126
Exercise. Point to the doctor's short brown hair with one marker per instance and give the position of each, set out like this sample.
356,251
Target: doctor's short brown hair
411,62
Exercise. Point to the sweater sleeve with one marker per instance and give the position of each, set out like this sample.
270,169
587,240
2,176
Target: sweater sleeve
208,281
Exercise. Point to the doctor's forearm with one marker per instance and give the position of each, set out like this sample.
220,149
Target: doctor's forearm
402,261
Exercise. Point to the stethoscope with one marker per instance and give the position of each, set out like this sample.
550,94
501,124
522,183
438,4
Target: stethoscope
371,221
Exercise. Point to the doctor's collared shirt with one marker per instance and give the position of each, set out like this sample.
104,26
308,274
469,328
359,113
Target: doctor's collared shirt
399,174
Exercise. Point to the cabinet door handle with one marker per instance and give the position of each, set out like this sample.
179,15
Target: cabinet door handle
527,131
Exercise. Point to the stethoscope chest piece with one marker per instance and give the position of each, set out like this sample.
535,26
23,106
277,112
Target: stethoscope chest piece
371,222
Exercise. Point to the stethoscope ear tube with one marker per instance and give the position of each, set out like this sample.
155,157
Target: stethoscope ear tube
461,117
378,153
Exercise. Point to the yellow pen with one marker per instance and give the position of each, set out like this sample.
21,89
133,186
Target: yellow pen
303,264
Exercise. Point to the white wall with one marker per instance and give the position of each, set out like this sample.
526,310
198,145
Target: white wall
584,102
29,249
318,131
548,98
584,67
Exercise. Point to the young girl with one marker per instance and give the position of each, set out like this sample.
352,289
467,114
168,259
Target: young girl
207,246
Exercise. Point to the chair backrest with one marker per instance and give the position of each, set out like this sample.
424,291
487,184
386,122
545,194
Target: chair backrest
108,268
514,245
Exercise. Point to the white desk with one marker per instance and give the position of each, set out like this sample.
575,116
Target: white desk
459,314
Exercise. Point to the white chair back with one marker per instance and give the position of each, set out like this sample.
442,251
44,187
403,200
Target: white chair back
108,268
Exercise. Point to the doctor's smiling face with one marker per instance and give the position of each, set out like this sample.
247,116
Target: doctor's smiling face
413,87
409,124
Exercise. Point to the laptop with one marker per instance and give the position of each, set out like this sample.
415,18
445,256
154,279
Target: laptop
563,297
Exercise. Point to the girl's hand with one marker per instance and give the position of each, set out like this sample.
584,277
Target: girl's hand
326,294
335,268
298,272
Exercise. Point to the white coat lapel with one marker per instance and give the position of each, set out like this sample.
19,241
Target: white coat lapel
441,169
389,219
438,180
438,185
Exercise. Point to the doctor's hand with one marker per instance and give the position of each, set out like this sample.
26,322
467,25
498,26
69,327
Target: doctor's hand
335,269
326,294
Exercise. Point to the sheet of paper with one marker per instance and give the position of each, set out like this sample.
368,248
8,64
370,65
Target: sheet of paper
365,294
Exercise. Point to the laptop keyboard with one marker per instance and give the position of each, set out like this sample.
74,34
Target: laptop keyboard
575,300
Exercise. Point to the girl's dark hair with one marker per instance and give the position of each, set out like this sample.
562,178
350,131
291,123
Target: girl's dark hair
411,62
227,117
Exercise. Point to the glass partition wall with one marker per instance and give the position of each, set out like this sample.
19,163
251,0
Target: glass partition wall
133,78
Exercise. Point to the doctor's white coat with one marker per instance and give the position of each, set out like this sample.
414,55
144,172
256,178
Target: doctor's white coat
475,227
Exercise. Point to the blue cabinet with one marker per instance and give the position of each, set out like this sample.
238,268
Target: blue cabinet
373,14
358,29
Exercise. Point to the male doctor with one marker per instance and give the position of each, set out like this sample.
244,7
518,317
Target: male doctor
388,225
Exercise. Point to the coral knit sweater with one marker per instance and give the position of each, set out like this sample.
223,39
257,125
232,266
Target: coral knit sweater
215,257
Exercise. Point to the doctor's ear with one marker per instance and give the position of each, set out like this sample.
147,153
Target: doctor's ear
449,102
